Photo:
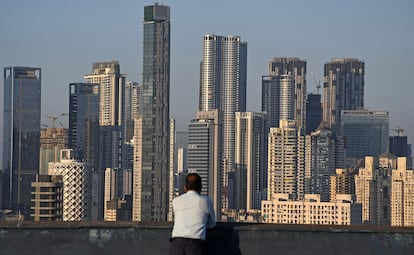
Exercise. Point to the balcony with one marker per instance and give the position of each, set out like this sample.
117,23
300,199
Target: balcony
39,238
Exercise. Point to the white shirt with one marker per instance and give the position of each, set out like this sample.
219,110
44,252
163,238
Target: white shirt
193,214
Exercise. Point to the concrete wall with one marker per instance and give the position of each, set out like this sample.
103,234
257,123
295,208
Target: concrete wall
132,238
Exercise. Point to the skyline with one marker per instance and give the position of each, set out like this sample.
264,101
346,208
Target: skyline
65,40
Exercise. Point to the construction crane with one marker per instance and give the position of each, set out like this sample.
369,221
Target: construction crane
53,118
399,131
317,83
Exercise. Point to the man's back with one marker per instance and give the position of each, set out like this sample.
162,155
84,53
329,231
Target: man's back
193,213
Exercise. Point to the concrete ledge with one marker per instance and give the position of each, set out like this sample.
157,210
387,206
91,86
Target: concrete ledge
39,238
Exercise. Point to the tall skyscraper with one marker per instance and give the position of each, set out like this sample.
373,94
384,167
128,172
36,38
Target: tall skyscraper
21,135
366,133
313,112
286,160
204,154
83,133
151,154
343,89
251,167
111,88
278,98
284,91
223,87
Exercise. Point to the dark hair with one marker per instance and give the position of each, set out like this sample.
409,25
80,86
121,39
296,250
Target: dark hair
193,182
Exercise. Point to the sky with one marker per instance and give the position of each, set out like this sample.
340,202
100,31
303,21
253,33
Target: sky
65,38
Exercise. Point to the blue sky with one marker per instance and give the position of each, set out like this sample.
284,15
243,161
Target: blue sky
65,37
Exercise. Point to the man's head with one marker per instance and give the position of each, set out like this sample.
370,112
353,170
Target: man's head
193,182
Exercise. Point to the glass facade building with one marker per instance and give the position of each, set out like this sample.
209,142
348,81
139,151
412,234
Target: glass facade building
151,198
83,135
366,133
21,135
343,89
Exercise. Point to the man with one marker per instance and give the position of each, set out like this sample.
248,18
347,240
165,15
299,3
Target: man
193,214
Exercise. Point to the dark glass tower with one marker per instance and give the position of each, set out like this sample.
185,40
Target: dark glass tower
21,135
151,173
313,112
83,132
343,89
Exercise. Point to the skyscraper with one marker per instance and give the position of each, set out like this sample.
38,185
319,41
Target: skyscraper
325,152
286,160
251,167
204,154
151,157
278,98
284,91
111,89
313,112
21,135
343,89
366,133
83,133
223,87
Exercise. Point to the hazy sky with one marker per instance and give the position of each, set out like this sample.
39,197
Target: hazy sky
65,37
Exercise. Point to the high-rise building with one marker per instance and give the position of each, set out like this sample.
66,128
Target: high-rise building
76,186
204,154
372,189
343,89
132,108
366,133
52,140
402,198
21,136
223,87
324,153
111,88
251,167
313,112
286,160
279,93
151,141
172,181
278,98
83,133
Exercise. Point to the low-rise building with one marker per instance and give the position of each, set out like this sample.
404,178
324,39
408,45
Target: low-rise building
283,210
